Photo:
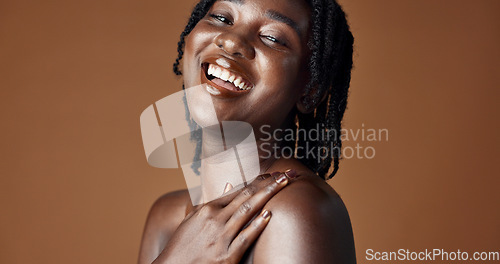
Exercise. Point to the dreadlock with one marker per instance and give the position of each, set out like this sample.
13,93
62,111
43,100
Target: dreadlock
330,65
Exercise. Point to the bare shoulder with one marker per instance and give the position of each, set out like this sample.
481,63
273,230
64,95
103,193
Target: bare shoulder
165,215
309,224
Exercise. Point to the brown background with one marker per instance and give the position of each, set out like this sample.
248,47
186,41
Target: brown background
75,76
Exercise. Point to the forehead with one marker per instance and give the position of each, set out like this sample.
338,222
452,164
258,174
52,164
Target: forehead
298,3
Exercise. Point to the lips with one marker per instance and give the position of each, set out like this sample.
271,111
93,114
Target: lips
224,78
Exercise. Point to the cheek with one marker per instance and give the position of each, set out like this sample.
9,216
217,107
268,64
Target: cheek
200,37
195,42
279,89
281,76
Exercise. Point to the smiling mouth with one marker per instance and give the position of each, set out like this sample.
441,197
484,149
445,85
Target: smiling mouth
224,80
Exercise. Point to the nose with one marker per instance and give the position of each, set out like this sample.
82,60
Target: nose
235,45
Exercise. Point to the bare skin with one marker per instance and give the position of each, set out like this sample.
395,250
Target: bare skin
309,222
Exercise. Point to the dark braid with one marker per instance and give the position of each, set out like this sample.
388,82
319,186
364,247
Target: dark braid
330,65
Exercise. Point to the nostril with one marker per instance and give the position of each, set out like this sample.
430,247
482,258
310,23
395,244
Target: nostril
234,44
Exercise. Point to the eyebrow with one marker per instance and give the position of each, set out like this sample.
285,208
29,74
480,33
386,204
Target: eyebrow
275,15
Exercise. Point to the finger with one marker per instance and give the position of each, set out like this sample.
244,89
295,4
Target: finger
247,236
236,191
246,210
258,183
291,173
238,195
244,193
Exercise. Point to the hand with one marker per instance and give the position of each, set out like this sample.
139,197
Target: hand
223,229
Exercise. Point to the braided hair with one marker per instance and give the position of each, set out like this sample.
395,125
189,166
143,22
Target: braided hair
330,64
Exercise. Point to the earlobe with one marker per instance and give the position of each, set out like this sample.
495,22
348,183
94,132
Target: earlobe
308,102
303,105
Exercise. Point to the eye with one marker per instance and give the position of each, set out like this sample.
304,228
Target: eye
221,18
273,40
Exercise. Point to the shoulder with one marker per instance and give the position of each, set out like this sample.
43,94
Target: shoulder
309,224
165,215
313,198
168,204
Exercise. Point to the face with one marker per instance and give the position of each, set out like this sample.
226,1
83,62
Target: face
253,56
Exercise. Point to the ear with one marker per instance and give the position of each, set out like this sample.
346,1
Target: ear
303,106
307,102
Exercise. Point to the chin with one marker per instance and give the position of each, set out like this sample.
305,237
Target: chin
201,106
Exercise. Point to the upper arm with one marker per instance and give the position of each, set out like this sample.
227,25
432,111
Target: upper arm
164,216
308,225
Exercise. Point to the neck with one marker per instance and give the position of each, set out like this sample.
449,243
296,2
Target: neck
229,160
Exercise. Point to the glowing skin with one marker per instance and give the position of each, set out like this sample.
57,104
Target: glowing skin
250,41
253,41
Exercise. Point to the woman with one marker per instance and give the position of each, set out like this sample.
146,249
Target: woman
288,64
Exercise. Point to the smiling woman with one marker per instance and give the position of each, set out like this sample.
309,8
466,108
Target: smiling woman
283,65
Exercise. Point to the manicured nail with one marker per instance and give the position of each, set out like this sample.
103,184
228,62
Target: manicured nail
291,173
227,188
282,179
266,214
276,173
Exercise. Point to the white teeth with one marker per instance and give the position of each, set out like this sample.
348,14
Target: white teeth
225,75
217,73
237,82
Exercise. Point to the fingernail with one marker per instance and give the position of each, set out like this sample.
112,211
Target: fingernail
266,214
276,173
282,179
291,173
227,188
